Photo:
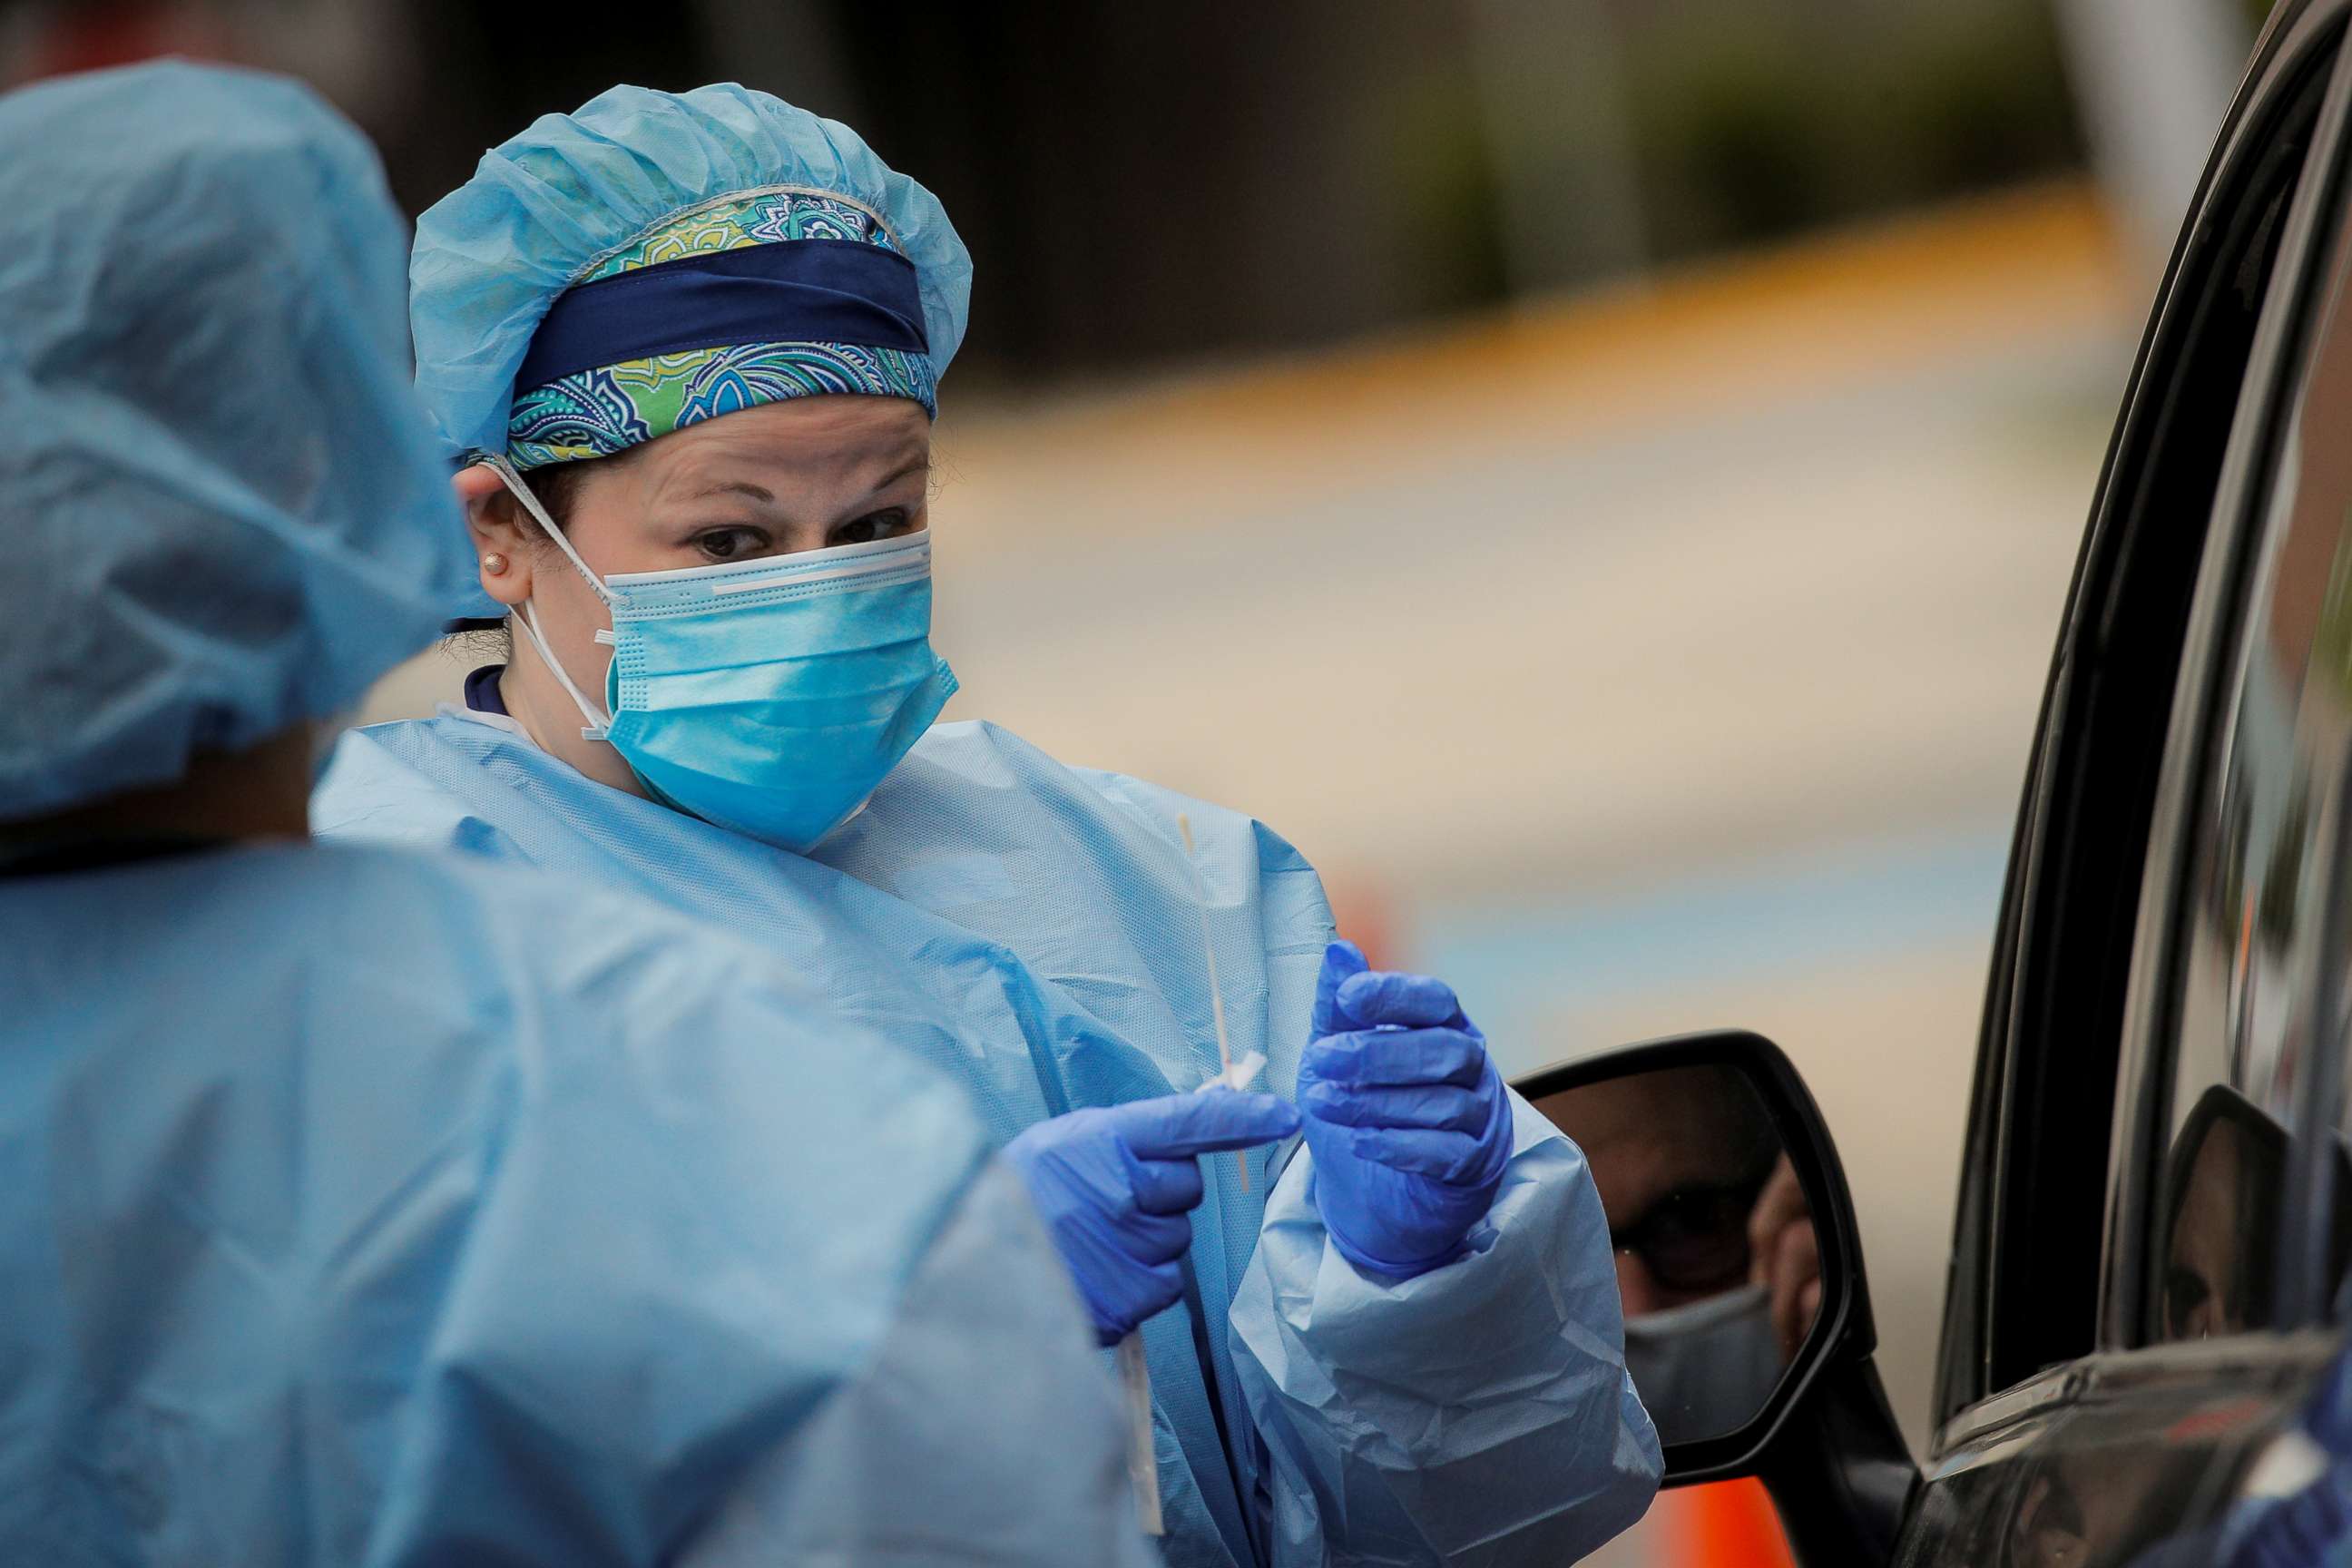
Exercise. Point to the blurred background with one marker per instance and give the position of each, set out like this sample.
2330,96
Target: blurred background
1601,476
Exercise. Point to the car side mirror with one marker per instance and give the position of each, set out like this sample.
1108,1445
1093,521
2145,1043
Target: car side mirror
2217,1233
1747,1325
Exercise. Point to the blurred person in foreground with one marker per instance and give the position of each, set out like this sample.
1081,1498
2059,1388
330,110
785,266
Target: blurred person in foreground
361,1207
689,346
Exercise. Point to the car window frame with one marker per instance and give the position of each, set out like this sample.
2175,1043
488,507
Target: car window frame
2239,540
1997,1234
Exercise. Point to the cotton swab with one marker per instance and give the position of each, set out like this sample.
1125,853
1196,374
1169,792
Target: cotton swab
1216,992
1134,1375
1143,1460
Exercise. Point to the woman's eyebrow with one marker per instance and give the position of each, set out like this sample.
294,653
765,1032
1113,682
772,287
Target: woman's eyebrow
735,487
918,464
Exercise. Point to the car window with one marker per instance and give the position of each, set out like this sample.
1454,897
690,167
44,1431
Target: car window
2064,1049
2244,1057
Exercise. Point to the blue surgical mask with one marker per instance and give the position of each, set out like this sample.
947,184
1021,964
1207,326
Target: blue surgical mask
769,697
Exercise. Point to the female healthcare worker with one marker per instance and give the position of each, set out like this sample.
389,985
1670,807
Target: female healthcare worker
361,1208
691,346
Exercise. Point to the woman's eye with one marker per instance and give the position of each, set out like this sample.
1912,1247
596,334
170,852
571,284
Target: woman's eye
730,543
871,527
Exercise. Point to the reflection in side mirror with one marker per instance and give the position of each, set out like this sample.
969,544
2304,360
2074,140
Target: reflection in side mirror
1717,1260
2218,1220
1748,1333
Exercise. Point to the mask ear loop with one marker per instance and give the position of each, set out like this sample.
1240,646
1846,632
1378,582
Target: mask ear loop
599,723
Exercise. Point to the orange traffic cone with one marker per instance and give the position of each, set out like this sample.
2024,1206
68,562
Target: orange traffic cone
1728,1525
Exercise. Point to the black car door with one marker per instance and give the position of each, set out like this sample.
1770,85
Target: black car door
2145,1254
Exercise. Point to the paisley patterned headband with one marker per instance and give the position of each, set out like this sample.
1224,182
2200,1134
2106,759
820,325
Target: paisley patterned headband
712,312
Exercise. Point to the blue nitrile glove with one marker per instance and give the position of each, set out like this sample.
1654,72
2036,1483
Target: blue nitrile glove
1406,1117
1113,1185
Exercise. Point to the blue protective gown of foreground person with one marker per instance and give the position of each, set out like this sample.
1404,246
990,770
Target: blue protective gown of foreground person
381,1210
1034,929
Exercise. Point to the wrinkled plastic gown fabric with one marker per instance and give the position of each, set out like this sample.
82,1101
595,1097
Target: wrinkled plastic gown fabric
1440,1424
1033,929
363,1209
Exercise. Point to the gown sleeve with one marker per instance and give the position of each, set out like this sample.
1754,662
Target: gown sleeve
1478,1414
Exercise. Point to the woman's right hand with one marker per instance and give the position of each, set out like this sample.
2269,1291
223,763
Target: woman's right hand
1114,1184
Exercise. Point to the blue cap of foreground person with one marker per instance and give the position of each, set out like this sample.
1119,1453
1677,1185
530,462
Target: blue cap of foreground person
221,508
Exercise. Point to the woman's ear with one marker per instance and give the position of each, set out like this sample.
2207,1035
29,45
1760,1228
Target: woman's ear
501,546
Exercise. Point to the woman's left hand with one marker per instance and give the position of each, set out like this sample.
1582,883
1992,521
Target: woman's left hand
1407,1118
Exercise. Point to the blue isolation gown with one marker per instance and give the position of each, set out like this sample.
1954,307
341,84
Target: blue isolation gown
382,1210
1034,929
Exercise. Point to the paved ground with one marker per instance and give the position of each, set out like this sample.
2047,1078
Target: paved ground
1655,659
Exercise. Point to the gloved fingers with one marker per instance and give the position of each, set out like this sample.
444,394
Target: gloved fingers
1174,1125
1448,1157
1384,996
1436,1107
1341,962
1150,1292
1158,1239
1166,1284
1163,1186
1397,1057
